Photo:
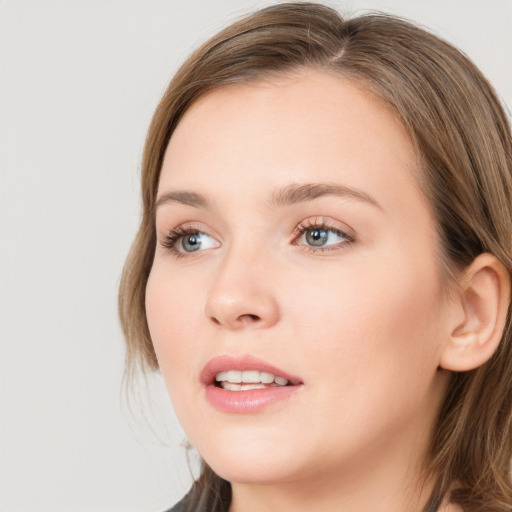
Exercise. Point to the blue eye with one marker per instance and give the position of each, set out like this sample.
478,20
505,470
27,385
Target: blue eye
321,237
182,241
193,242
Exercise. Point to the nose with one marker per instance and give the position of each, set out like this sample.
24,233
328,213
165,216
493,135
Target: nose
242,294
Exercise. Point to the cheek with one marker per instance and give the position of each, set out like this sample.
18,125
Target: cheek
172,320
369,323
172,309
371,343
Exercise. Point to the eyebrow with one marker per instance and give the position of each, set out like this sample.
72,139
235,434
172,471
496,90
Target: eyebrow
293,194
183,197
289,195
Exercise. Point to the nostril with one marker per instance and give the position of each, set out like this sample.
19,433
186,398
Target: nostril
239,321
248,318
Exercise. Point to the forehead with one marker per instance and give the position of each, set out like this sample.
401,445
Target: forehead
307,127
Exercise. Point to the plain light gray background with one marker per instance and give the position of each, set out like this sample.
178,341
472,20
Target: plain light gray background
79,82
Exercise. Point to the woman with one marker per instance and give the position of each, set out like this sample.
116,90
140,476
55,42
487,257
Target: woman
322,271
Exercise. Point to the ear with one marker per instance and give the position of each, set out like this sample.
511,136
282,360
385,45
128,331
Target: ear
482,303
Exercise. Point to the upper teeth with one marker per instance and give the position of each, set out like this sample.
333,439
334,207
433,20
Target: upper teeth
250,377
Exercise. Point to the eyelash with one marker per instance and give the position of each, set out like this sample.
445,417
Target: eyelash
172,238
321,224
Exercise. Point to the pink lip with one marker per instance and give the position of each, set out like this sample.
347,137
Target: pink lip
245,401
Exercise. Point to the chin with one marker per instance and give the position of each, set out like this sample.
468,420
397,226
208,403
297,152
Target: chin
250,460
255,472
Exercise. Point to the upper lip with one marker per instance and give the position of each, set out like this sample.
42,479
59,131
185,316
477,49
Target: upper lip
225,363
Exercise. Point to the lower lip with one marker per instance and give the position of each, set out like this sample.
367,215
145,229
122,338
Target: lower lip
254,400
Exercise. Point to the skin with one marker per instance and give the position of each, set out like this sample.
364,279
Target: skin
363,322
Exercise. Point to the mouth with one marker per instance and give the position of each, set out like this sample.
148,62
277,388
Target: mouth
236,380
246,384
222,371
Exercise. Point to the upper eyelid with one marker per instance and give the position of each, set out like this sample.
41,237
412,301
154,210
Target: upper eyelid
178,231
325,223
187,226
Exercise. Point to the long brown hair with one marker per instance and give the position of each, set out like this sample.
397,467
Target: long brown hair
463,138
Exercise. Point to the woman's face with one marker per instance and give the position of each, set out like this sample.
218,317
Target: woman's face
295,245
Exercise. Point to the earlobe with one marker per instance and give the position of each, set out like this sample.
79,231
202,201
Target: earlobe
483,300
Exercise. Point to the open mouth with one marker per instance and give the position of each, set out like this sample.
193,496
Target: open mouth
246,384
247,380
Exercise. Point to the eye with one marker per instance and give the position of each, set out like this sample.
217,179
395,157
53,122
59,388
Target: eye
184,241
321,235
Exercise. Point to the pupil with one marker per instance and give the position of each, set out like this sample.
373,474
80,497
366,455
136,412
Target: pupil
191,243
317,237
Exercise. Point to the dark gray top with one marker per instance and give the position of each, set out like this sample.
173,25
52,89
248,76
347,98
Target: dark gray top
180,507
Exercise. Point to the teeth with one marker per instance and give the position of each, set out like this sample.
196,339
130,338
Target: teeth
235,380
267,378
234,376
231,376
231,387
251,376
241,387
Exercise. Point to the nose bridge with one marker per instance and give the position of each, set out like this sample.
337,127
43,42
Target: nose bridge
241,293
